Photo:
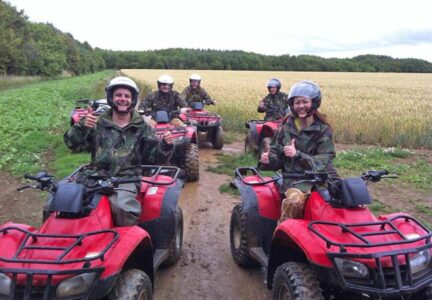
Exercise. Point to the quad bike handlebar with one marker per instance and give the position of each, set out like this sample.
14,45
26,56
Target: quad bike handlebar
108,186
306,177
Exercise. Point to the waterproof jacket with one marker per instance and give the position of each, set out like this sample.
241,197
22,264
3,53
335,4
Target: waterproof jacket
117,151
191,95
157,101
315,150
276,106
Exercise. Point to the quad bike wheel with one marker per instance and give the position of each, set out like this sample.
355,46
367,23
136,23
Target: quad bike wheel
175,246
426,294
295,281
191,164
239,240
249,145
218,138
133,284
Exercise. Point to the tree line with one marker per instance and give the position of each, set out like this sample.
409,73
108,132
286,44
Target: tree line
28,48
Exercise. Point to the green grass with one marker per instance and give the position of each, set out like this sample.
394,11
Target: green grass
228,163
410,169
227,189
34,118
8,82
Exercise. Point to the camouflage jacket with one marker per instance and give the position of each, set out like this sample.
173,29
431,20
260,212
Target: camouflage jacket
117,151
157,101
275,106
190,95
315,150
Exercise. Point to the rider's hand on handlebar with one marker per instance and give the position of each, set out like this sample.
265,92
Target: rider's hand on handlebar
262,105
290,149
183,110
90,119
168,138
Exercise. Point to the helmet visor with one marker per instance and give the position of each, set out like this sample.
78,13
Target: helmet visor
304,89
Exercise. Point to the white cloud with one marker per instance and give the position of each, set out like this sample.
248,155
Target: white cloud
339,28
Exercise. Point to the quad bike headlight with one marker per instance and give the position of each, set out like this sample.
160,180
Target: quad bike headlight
5,285
75,285
351,268
420,261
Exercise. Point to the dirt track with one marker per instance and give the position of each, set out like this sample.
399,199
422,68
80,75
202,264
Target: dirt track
206,269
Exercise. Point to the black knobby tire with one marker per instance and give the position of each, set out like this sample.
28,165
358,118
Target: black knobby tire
176,243
191,164
218,138
426,294
133,284
296,281
239,240
249,146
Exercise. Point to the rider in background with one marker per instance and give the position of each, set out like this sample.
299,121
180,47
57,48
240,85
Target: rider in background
275,104
120,142
303,142
166,99
195,93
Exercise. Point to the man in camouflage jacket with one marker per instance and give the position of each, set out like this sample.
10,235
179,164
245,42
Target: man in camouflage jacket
119,141
165,98
275,104
194,92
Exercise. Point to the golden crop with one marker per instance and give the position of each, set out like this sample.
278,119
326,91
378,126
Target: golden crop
372,108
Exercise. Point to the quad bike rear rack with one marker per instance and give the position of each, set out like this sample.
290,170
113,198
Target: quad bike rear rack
395,280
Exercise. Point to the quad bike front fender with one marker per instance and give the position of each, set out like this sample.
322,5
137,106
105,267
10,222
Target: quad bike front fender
293,241
261,205
133,249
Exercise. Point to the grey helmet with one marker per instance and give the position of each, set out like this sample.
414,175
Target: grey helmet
306,89
122,82
274,82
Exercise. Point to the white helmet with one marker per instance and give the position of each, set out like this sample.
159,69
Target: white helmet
122,81
165,79
195,77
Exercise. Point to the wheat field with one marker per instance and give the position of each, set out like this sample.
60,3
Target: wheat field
388,109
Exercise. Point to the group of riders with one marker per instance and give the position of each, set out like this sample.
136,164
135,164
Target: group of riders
119,139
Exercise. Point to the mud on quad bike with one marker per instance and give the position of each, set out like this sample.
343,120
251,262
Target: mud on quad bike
206,122
78,253
81,109
186,154
338,249
261,132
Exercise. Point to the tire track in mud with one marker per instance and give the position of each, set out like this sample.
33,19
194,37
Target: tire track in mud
206,269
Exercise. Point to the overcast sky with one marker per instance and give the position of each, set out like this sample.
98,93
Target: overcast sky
331,28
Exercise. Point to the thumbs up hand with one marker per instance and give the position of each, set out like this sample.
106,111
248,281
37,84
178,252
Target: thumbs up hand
264,159
90,119
290,149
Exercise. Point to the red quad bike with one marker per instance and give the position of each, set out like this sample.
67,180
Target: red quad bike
186,154
260,133
206,122
338,249
78,253
81,108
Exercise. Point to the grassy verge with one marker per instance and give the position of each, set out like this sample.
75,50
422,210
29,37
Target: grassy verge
9,82
34,118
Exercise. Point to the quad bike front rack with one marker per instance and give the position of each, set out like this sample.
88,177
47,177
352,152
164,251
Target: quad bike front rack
383,280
